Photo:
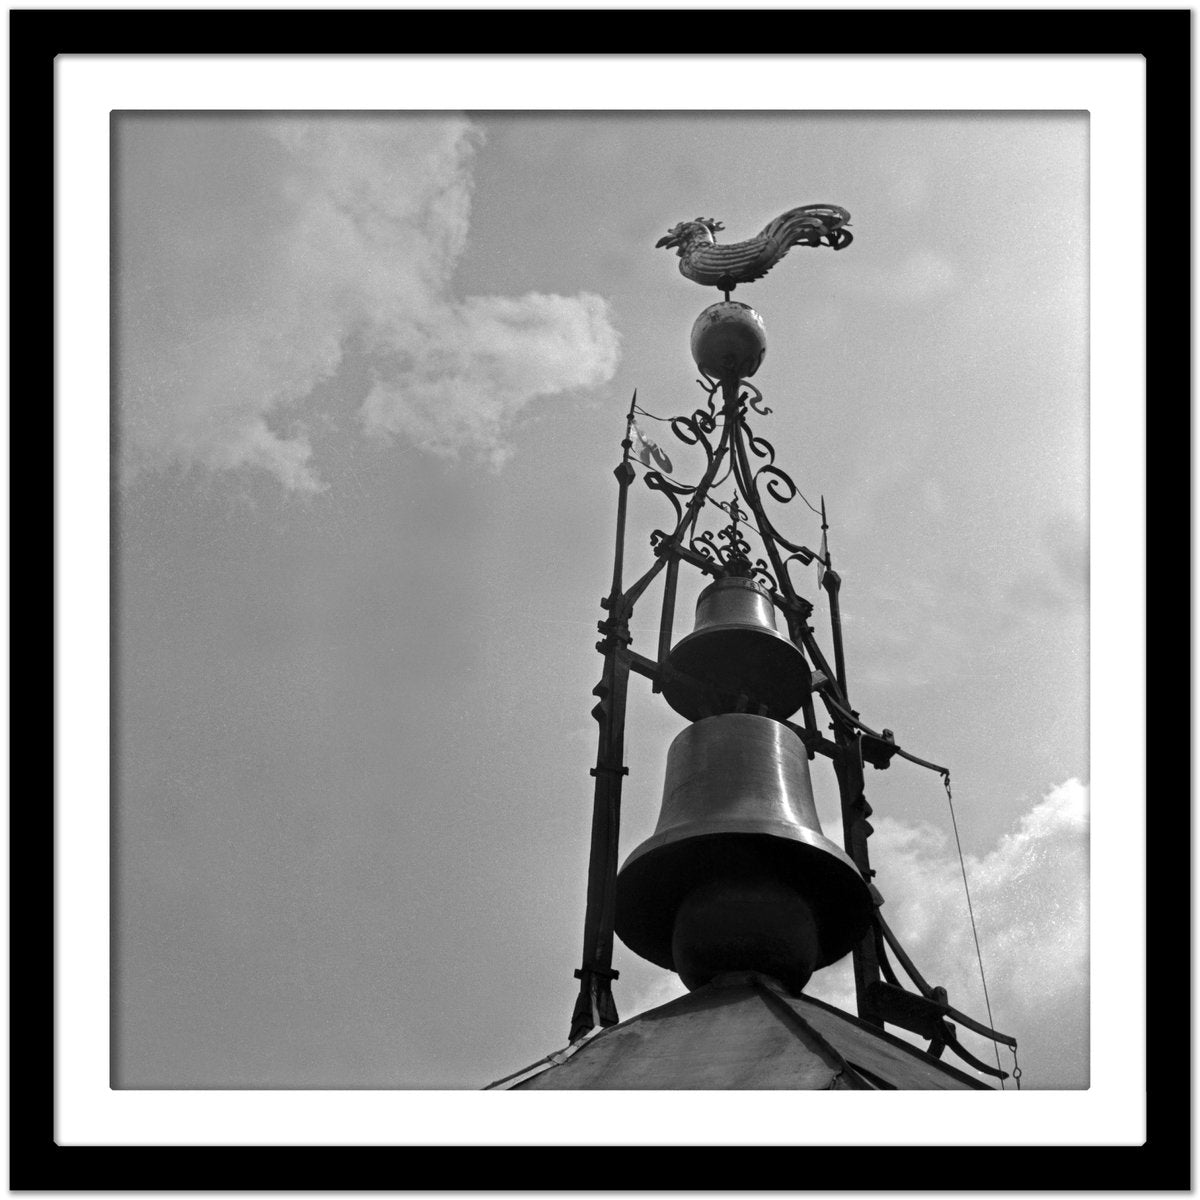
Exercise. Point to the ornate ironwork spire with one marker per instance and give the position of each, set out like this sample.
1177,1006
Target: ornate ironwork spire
776,897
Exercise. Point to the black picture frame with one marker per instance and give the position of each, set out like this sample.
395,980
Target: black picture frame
36,1161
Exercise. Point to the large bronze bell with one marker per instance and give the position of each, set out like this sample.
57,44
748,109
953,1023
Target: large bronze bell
735,649
737,875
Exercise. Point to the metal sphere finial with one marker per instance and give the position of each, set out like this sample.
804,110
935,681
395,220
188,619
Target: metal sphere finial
729,341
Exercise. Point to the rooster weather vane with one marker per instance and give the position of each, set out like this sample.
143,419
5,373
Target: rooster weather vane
710,265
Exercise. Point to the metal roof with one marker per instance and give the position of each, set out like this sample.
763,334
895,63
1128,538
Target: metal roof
742,1031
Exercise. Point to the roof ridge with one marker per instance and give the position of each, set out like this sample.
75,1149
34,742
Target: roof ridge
777,1001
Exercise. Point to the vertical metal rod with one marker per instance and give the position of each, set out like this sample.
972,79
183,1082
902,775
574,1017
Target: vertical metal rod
595,1003
855,830
810,716
666,624
802,635
833,585
625,474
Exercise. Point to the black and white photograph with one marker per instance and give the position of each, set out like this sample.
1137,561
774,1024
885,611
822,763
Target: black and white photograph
372,376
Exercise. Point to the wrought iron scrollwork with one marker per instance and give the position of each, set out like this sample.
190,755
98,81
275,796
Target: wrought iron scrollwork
779,484
733,557
656,481
762,574
755,476
756,400
692,431
803,556
704,545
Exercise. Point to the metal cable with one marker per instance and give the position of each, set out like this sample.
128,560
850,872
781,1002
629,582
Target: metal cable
637,408
805,499
974,932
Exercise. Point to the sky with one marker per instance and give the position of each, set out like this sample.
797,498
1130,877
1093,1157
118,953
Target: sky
370,378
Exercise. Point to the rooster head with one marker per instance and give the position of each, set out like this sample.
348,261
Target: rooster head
687,233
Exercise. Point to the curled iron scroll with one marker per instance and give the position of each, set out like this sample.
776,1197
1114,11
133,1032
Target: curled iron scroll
779,484
763,574
657,482
804,556
692,431
756,400
736,551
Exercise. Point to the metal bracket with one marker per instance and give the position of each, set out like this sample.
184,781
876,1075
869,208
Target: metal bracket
601,972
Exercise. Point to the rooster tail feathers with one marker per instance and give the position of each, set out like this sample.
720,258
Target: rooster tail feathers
810,223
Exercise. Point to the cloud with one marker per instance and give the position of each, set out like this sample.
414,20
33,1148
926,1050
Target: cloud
255,256
660,989
1029,895
484,361
1030,899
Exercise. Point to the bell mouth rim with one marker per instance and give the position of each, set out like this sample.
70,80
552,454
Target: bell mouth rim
647,900
791,688
735,627
767,827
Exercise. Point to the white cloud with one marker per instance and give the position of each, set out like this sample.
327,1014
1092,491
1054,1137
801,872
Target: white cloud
1028,893
1030,899
485,359
654,992
252,254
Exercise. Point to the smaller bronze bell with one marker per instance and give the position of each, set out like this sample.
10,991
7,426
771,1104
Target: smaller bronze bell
736,649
